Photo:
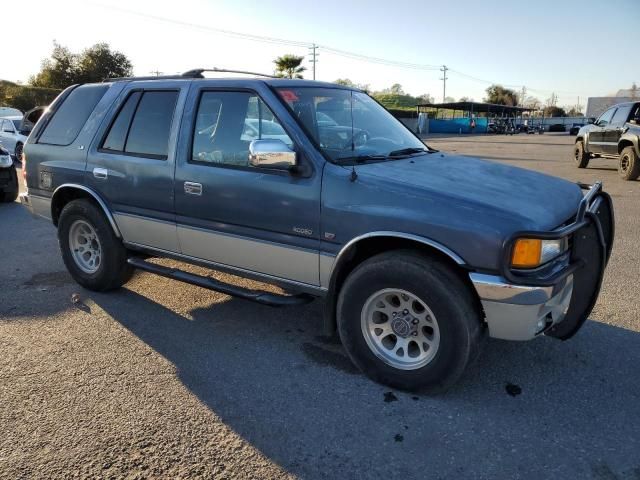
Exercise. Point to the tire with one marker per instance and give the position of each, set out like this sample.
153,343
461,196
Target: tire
82,219
455,330
580,157
18,151
629,164
11,195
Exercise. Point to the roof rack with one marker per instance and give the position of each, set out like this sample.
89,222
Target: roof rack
195,73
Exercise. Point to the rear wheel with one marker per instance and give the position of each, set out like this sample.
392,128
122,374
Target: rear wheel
629,164
580,156
94,256
408,321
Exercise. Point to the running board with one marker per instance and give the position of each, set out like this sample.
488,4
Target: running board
265,298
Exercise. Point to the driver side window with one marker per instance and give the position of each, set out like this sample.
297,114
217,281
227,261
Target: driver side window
226,124
605,118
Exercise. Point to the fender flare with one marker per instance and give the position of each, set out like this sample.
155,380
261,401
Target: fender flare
631,138
329,314
95,196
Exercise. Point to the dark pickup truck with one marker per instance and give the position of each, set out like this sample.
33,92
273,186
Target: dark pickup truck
614,134
417,254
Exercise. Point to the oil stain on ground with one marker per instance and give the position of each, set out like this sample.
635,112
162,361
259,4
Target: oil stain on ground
329,358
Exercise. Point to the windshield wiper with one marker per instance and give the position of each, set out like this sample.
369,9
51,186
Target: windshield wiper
362,158
408,151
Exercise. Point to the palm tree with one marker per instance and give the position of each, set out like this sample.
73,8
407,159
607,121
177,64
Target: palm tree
288,66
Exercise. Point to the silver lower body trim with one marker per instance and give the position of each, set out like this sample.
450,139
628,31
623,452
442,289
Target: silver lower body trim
278,260
151,232
520,312
241,272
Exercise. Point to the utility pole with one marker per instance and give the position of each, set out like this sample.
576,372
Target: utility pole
156,72
444,82
314,58
578,106
523,94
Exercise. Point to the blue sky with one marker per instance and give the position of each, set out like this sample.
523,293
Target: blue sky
572,48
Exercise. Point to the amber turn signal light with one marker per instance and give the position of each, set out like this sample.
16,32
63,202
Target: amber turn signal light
526,253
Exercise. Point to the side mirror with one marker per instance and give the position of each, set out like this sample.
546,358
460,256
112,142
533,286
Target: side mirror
592,121
271,153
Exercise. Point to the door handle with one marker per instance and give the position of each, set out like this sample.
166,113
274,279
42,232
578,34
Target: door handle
193,188
101,173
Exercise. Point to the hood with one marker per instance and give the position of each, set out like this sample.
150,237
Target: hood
531,200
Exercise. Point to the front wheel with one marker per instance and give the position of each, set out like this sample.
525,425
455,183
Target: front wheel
629,164
94,256
409,321
580,156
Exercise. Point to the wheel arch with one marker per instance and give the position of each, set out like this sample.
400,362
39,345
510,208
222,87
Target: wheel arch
70,191
366,246
628,142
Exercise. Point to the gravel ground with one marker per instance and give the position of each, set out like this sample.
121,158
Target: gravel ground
162,379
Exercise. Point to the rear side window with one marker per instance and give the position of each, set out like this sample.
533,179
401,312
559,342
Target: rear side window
142,125
70,117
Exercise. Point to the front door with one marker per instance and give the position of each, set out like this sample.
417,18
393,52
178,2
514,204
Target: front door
131,163
615,129
597,132
233,214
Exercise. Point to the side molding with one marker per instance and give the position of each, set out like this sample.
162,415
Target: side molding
96,197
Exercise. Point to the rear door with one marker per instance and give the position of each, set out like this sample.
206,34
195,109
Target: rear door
615,129
132,159
236,215
597,132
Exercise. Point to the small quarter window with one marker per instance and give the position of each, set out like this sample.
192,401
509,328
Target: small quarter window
118,133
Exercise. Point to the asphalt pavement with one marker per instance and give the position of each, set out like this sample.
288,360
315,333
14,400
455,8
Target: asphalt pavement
163,379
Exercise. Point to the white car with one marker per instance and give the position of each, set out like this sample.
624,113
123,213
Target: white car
11,137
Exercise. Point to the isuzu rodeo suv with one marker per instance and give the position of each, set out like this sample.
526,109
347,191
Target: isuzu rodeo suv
315,187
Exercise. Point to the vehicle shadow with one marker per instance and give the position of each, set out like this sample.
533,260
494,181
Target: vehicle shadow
294,395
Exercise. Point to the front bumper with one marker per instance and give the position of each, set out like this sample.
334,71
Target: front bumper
519,312
519,308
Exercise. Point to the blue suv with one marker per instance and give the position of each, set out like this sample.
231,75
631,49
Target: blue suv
417,254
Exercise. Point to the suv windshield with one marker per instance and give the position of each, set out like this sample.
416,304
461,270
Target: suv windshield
350,125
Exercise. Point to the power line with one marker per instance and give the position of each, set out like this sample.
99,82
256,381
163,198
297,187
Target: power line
246,36
314,47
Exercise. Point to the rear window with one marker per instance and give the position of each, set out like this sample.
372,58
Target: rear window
142,125
69,118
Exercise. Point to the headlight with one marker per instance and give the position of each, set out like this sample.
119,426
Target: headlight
5,161
533,252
